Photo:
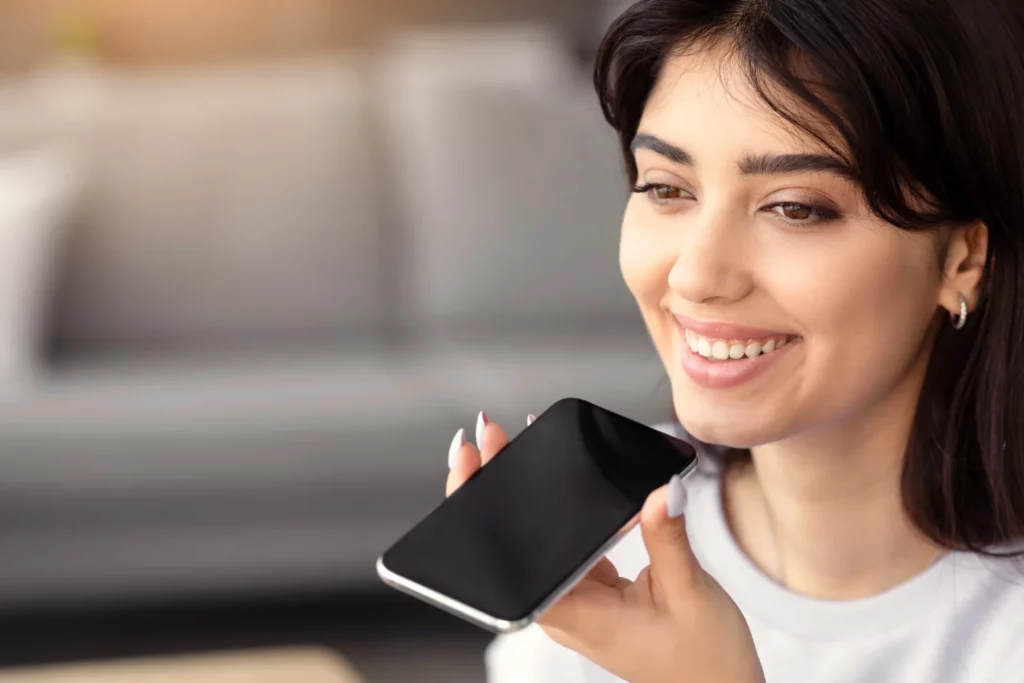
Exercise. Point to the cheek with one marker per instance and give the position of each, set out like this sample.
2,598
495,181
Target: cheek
865,310
881,294
640,260
646,259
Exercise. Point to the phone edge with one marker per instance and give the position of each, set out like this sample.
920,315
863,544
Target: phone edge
492,623
443,602
578,575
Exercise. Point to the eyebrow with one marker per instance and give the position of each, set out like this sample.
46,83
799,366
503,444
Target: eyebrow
757,164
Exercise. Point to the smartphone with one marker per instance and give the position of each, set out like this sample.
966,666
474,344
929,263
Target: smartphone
524,529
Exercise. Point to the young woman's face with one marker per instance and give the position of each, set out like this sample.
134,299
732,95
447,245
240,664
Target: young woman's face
777,301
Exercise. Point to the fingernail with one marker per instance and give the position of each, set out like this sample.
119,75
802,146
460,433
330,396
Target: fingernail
453,451
530,419
481,424
676,497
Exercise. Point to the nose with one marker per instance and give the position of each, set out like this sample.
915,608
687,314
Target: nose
712,265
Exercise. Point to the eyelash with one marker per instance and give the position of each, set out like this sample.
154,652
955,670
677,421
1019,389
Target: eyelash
819,214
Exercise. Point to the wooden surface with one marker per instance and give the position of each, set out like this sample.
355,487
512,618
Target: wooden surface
293,665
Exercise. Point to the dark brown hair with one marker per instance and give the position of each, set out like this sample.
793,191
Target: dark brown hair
927,98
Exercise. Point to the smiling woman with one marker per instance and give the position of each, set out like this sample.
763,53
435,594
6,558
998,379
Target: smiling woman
826,242
747,222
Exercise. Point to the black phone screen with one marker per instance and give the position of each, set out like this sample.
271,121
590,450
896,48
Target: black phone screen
522,525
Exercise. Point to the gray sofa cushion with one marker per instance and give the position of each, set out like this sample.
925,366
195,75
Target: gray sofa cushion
245,421
523,227
513,194
226,204
512,379
191,477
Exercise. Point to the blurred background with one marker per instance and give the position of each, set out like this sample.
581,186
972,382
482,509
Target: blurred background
259,260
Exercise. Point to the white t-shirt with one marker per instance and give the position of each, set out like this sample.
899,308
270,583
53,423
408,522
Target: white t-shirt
960,621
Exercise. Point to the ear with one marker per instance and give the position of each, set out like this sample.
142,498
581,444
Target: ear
964,267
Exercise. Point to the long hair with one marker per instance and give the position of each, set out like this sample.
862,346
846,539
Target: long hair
926,101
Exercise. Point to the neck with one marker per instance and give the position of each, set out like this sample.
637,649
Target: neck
822,512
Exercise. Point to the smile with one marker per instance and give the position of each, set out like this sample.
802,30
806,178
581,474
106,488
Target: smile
733,349
726,355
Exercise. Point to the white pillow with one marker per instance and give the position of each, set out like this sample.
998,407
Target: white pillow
36,192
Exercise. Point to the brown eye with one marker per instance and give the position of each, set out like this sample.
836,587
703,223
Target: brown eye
796,212
660,193
664,192
802,214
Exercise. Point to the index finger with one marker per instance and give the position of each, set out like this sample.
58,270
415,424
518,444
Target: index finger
464,460
490,436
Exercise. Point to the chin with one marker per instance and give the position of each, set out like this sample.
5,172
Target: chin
732,426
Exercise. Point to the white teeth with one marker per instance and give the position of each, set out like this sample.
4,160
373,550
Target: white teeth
691,341
723,350
704,347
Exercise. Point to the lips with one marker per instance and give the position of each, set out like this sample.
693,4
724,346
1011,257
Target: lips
722,330
725,355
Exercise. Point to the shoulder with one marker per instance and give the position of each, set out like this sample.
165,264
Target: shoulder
989,604
996,579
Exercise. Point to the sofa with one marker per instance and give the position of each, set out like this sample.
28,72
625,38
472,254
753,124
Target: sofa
282,288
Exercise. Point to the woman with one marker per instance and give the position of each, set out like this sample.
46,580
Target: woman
826,241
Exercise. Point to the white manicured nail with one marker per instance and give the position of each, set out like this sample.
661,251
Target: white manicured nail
676,497
530,419
481,425
453,451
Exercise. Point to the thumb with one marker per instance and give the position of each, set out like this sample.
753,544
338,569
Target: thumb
674,568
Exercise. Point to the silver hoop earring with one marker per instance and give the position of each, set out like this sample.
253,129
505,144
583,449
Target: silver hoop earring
960,320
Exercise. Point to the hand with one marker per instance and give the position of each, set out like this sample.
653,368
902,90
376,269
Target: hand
674,624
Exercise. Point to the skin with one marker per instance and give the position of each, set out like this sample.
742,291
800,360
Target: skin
818,508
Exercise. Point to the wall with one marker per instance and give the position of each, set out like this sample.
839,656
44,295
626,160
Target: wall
175,31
